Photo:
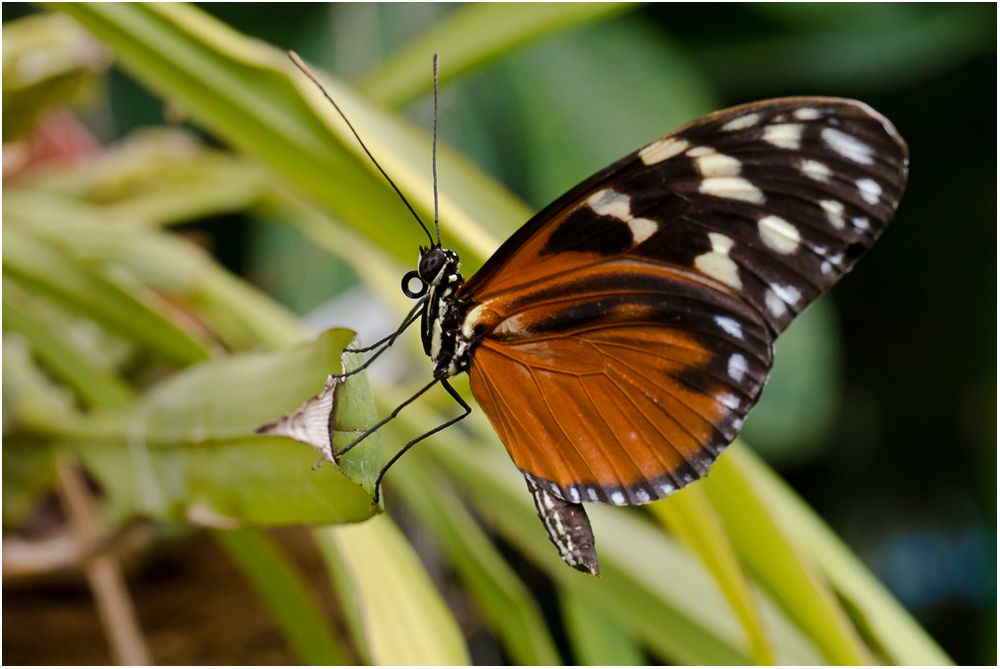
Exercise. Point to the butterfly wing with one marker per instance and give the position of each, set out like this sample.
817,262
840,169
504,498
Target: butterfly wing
624,332
776,200
620,382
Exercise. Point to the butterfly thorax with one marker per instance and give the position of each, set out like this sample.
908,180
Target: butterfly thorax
441,321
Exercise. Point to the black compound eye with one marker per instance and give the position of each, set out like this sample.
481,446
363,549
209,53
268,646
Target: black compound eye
430,264
408,281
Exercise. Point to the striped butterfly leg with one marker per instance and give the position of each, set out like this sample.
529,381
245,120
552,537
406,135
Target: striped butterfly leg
568,528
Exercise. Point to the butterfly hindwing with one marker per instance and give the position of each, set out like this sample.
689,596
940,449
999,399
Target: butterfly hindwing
622,381
625,331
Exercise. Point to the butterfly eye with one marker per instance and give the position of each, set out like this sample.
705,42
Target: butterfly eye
431,264
408,282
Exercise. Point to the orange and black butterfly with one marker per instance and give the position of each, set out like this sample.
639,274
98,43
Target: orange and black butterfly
618,340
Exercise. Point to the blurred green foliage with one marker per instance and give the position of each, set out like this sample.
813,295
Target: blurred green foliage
128,344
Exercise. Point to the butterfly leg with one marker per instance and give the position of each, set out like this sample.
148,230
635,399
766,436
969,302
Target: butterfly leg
385,342
410,444
395,412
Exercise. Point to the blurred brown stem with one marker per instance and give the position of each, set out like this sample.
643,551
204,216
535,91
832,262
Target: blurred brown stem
27,558
114,605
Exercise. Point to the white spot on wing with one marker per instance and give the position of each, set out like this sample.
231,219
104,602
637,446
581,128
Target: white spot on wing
860,222
789,294
834,212
834,261
806,114
729,401
741,122
662,149
642,229
711,163
730,326
609,202
717,263
815,170
847,145
641,496
733,188
869,189
784,135
778,234
775,304
737,367
618,497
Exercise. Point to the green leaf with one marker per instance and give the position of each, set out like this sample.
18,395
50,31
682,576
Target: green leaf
238,314
286,596
402,618
799,403
88,292
138,179
597,638
855,54
501,596
250,95
576,99
188,449
778,563
883,618
96,386
469,38
48,62
690,517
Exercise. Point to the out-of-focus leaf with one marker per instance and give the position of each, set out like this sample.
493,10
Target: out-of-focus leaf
884,619
47,61
648,583
402,618
31,401
779,564
799,402
502,597
140,179
469,38
96,386
237,313
82,289
597,638
690,517
285,595
853,56
250,95
586,100
29,473
188,449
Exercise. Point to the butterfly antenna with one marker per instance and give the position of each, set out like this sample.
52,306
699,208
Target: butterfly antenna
306,71
434,145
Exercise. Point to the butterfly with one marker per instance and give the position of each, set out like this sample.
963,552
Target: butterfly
619,338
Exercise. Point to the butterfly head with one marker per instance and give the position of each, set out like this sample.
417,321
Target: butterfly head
435,267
